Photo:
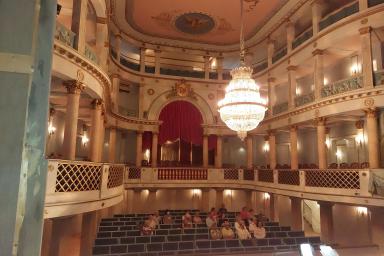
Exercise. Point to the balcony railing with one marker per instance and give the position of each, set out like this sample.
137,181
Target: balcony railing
280,54
150,69
302,38
65,35
372,3
288,177
279,108
304,99
338,15
183,73
129,64
260,67
182,174
378,77
128,112
342,86
90,54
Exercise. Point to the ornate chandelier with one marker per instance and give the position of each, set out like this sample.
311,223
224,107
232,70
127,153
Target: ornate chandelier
242,108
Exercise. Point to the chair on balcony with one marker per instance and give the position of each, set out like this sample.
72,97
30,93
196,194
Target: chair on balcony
279,166
344,166
364,165
333,166
301,166
286,166
262,167
313,166
305,166
355,165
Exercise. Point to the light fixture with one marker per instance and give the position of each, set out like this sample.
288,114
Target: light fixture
266,146
84,137
51,128
325,81
147,155
196,192
359,137
355,65
362,211
298,91
328,142
242,108
339,154
266,196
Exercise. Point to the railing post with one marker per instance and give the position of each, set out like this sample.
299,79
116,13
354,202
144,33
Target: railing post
275,177
104,179
302,180
51,177
364,177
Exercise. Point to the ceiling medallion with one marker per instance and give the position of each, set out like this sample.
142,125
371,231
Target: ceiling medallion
242,108
150,91
194,23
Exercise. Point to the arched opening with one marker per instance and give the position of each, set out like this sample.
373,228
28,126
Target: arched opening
181,136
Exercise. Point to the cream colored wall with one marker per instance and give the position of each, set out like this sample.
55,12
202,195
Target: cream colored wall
284,210
377,224
55,141
234,152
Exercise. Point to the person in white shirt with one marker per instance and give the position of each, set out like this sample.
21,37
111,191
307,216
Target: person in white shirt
241,230
256,229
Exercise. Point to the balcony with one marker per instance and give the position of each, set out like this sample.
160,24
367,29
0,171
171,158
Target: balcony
339,15
304,99
280,54
64,35
378,77
279,108
302,38
372,3
342,86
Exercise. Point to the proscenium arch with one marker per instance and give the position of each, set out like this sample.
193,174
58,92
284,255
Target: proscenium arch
161,101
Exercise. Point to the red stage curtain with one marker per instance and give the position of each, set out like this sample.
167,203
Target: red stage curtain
181,120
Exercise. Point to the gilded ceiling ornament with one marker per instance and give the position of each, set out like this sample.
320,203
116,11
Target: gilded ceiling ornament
182,89
150,91
211,96
369,102
80,76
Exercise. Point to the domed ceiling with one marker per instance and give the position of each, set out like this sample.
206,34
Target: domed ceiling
204,21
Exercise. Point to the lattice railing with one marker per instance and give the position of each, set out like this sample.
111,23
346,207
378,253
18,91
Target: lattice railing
115,176
72,177
231,174
332,179
289,177
182,174
134,173
265,175
248,174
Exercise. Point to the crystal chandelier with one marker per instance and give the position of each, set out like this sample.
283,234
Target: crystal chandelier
242,108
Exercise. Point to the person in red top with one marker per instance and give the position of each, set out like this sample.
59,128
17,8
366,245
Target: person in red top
245,215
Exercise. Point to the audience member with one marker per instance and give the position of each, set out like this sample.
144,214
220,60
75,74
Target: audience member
259,232
244,215
215,233
146,228
196,218
226,230
187,220
157,217
167,218
211,221
241,230
152,223
221,215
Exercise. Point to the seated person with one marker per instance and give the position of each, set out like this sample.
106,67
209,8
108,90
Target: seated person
241,230
258,230
152,223
213,213
211,221
252,214
167,218
146,229
196,218
187,220
227,231
244,215
223,210
215,233
221,215
157,217
262,218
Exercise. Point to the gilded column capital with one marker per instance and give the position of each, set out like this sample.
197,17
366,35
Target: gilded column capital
293,128
101,20
270,41
292,68
271,133
359,124
271,80
118,36
97,104
371,112
115,75
317,52
74,86
320,121
365,30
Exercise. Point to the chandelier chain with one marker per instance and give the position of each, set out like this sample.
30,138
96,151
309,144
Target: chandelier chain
242,43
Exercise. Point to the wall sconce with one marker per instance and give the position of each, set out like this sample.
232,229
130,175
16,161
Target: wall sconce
362,211
228,192
51,128
355,65
298,91
147,155
196,192
328,142
374,65
325,81
359,138
266,196
339,154
213,63
266,146
84,137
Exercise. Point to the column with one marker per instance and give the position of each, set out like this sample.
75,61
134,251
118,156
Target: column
157,61
219,64
318,73
249,199
102,44
270,51
139,147
205,151
26,41
88,233
219,197
296,214
151,205
326,222
271,81
293,144
366,56
219,152
155,142
118,47
290,35
142,95
373,138
123,144
292,86
142,59
363,5
272,150
316,16
249,151
96,131
74,89
47,235
274,207
112,145
207,66
66,235
208,199
79,23
115,92
321,146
